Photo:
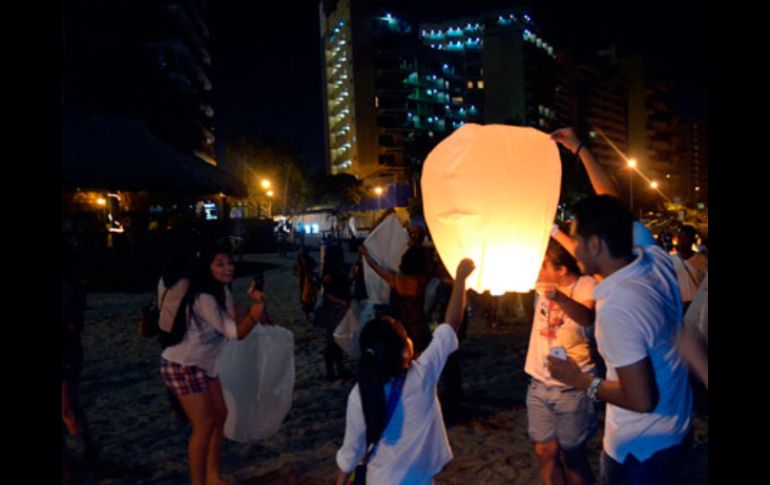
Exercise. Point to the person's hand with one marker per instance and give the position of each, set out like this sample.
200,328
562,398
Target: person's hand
547,290
255,295
257,311
566,371
465,268
567,138
552,294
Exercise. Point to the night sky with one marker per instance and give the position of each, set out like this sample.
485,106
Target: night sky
266,58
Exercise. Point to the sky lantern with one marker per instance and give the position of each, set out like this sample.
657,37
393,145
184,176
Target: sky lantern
490,193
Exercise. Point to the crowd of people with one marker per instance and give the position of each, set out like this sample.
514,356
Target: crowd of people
607,326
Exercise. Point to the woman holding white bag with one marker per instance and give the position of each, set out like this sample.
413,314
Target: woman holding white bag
190,368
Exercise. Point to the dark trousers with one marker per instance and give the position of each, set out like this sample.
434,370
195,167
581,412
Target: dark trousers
659,469
333,357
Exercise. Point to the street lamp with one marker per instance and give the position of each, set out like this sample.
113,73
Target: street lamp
270,203
631,165
265,184
378,191
654,184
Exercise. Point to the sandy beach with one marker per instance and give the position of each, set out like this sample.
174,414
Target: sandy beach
124,399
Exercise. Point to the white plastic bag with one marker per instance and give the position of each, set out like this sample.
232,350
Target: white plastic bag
257,376
386,244
347,332
349,329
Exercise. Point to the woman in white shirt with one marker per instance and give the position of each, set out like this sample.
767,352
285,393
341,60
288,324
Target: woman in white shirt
401,438
191,367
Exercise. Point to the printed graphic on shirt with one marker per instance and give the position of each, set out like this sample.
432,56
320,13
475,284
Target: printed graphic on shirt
552,319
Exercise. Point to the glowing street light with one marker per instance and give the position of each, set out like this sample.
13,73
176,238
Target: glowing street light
265,184
654,184
270,194
378,191
101,201
632,165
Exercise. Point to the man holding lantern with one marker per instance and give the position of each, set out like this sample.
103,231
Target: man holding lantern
638,313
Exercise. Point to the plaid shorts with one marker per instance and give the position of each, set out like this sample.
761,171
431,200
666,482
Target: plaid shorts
182,379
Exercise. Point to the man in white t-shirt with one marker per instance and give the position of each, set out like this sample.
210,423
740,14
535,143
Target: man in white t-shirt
561,418
638,313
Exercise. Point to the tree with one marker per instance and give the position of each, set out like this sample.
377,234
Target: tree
253,158
338,189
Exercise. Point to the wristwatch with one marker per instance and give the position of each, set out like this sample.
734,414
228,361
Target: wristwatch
593,388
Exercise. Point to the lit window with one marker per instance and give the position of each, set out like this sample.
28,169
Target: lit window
480,84
470,84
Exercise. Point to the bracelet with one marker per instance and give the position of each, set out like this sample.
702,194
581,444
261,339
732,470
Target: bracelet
594,388
580,147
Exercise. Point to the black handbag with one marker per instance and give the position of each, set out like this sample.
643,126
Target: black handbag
179,328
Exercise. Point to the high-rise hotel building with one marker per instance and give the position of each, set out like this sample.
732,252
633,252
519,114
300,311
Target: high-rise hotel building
395,86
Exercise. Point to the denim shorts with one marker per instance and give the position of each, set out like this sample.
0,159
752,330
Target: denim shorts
566,415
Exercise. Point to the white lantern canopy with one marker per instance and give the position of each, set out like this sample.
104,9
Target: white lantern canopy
490,194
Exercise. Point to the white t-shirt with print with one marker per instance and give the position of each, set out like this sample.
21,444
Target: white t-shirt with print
551,327
638,312
414,446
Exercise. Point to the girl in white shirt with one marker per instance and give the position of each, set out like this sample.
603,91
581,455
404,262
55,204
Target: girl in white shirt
408,442
191,367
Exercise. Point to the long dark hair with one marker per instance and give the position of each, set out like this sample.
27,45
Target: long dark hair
202,281
382,342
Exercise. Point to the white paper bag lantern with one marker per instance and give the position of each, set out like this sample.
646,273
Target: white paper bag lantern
490,193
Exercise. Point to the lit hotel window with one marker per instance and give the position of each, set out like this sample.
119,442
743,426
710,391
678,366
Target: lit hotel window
470,84
480,84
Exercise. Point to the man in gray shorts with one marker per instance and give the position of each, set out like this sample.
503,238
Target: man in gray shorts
561,418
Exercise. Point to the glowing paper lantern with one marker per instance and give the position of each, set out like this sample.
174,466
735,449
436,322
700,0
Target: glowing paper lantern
490,193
